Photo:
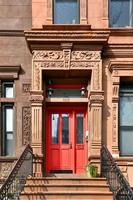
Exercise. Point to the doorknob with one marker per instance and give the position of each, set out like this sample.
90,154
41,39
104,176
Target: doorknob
71,145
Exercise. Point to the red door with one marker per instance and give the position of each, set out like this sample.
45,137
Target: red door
66,147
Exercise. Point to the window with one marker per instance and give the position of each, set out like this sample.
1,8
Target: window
120,13
7,116
126,121
66,11
67,91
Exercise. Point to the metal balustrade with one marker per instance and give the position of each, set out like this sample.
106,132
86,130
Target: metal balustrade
16,180
117,182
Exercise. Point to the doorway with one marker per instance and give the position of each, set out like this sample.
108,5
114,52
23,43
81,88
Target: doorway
66,145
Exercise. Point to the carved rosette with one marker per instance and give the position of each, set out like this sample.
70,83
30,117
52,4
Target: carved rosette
26,125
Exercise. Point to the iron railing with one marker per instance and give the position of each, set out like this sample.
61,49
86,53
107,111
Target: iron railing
15,182
116,180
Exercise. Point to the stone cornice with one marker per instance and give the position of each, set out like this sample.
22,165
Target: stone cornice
9,71
72,34
118,50
120,65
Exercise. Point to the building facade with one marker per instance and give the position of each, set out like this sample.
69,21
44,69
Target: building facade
66,82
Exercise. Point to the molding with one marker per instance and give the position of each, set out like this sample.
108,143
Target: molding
9,71
120,65
15,33
96,97
76,34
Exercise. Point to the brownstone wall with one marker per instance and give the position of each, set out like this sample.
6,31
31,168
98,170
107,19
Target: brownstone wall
15,17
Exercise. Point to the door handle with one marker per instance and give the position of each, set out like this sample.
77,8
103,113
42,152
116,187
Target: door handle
71,145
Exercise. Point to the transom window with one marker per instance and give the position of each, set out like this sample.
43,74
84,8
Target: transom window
66,11
126,121
120,13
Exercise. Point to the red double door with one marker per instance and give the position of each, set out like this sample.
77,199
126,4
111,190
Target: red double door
66,147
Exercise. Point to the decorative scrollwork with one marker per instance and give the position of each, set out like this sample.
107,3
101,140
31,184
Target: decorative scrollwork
48,55
85,55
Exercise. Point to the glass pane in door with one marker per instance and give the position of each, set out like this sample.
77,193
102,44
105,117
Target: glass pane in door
65,128
55,128
79,128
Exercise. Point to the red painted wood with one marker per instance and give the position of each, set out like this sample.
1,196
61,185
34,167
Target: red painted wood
70,156
66,86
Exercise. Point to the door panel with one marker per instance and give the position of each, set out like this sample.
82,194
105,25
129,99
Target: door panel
65,140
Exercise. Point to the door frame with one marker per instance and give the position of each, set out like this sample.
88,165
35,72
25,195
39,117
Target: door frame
68,108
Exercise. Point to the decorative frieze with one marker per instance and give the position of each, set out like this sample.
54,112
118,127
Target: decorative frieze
52,65
85,55
26,125
48,55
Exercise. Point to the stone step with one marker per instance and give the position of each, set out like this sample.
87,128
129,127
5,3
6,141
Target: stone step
65,187
65,180
84,195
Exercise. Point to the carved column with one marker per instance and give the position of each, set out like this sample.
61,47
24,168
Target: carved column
115,100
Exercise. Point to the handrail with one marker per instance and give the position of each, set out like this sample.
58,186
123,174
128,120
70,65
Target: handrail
15,182
116,180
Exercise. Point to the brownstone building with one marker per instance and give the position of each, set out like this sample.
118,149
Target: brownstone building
66,82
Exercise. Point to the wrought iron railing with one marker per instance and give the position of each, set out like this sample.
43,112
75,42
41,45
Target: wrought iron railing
15,182
116,180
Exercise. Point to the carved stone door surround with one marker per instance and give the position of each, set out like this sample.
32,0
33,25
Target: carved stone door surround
67,59
118,69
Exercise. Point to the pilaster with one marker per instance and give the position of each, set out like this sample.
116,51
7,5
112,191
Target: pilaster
83,12
96,101
115,100
36,139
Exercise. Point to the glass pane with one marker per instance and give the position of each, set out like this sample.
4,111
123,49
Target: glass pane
126,141
65,129
7,90
55,128
9,144
119,13
66,12
79,128
65,93
126,110
9,119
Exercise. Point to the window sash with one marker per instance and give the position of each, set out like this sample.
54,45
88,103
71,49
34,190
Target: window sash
60,14
8,130
120,13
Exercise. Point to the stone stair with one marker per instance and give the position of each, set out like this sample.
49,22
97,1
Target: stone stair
66,187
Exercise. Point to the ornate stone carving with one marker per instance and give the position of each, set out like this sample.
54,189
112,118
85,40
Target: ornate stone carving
67,54
48,55
26,87
85,55
114,110
36,83
82,65
36,98
52,65
26,124
96,78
